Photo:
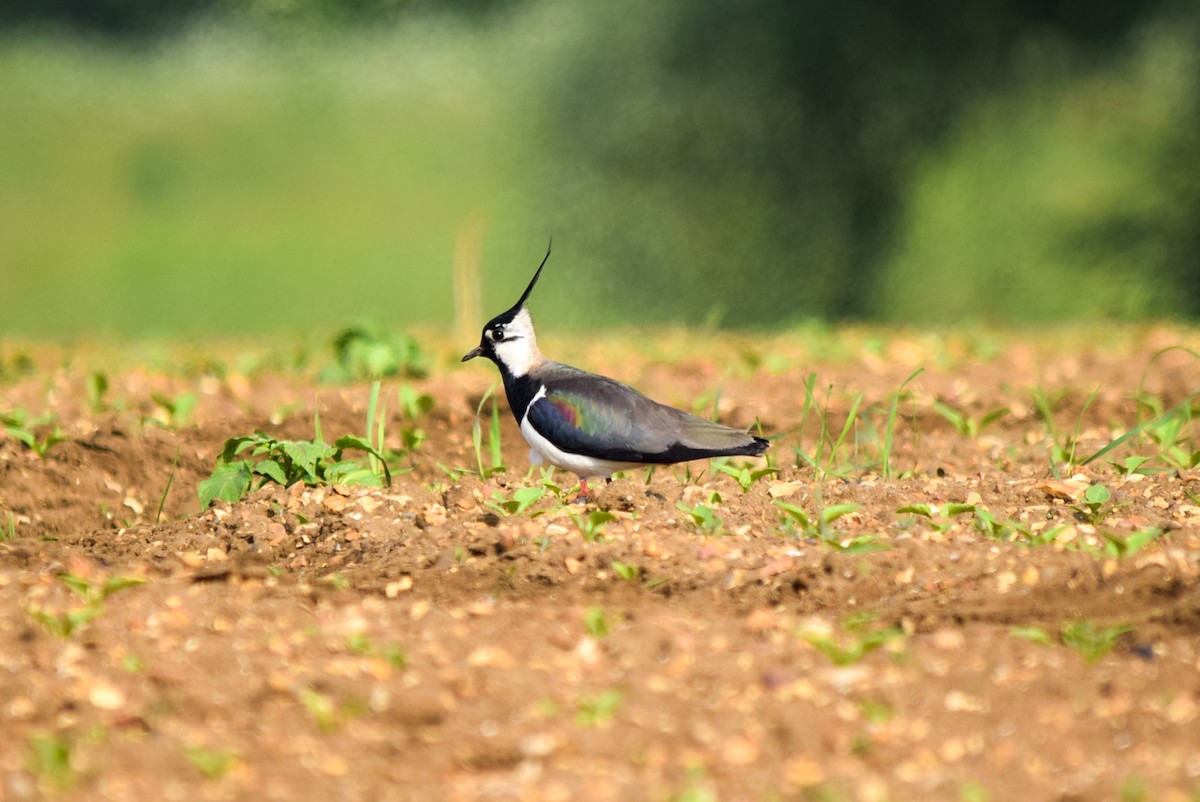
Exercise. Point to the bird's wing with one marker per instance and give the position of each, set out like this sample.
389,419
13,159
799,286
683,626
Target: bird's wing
583,413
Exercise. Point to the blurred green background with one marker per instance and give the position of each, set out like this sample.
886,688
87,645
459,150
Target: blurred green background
192,167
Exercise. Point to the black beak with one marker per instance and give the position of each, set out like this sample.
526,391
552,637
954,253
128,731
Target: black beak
474,352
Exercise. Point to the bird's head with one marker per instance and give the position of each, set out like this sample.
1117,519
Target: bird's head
508,339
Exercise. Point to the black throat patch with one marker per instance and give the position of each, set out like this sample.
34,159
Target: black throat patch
519,389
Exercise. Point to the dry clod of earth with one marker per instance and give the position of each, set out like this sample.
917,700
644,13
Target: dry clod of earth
944,599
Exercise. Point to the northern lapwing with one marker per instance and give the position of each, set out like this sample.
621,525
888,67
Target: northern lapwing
591,425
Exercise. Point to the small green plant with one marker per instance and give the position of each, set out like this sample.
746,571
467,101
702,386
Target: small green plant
286,462
745,476
1094,501
593,711
592,525
1090,641
92,593
1184,409
703,518
9,532
798,523
367,353
1121,547
826,458
493,439
322,709
890,426
66,624
857,641
1063,446
212,763
51,760
361,645
20,426
625,571
1134,789
162,500
175,411
1169,435
595,622
971,791
19,365
1131,465
413,407
875,712
965,424
698,786
522,499
1032,634
97,392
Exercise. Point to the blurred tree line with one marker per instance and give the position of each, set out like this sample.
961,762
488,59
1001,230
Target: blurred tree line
754,161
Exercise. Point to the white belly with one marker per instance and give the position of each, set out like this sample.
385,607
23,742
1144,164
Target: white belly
542,450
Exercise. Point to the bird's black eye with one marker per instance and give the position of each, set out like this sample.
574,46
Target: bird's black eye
496,335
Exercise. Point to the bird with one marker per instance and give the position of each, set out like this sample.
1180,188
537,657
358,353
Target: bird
588,424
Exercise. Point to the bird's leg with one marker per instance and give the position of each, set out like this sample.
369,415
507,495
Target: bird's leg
584,497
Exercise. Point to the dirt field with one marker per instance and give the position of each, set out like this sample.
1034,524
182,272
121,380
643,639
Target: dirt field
415,642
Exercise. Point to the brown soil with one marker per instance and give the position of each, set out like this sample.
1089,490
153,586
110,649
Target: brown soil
415,643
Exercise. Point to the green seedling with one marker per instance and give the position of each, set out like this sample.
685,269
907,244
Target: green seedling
176,412
1174,447
522,499
1183,409
1133,789
702,518
826,460
212,763
971,791
1032,634
1122,547
984,521
359,644
856,643
547,481
322,709
1090,641
19,365
51,759
965,424
890,427
798,523
65,625
493,443
626,572
18,425
745,477
592,525
162,501
1131,465
1094,503
287,462
595,622
698,786
1062,445
9,532
413,407
593,711
875,712
97,391
368,353
92,593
